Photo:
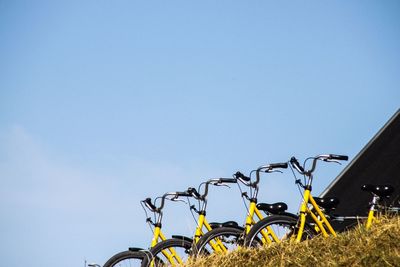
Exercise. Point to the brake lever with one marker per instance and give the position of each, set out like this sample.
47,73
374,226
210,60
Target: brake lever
223,185
271,171
333,160
178,200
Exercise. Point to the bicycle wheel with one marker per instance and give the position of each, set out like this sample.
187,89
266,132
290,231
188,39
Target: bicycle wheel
220,240
126,259
170,252
275,228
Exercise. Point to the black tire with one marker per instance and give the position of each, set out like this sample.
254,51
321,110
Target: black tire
282,225
231,237
125,259
182,247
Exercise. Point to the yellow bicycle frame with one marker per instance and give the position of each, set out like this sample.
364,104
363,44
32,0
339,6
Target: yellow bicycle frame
322,223
202,227
217,245
157,236
268,234
170,254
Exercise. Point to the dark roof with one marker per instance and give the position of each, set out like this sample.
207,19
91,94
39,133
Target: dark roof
377,163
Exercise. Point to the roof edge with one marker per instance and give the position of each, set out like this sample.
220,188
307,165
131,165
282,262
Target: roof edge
394,116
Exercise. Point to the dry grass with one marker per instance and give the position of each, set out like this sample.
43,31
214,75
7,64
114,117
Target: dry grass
379,246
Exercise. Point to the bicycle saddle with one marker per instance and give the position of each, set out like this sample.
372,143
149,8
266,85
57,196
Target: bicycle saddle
274,208
224,224
328,203
379,190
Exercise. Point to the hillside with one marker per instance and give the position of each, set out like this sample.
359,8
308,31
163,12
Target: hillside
379,246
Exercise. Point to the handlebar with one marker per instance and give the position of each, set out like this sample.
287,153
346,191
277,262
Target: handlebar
325,157
265,168
215,181
152,207
268,169
190,192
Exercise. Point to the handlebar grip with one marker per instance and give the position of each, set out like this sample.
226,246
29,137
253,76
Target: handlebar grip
227,180
278,165
183,194
240,175
338,157
194,192
296,164
147,201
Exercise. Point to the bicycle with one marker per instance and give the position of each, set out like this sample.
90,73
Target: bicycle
311,219
327,205
135,256
377,207
156,253
320,209
236,238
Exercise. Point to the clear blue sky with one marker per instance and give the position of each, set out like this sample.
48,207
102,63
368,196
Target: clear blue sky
104,103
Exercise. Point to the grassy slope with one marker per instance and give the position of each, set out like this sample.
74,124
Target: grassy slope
379,246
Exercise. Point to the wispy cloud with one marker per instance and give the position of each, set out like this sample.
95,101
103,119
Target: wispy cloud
49,202
45,202
32,178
